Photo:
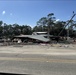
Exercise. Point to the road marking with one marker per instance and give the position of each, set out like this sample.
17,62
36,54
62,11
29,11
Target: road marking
39,60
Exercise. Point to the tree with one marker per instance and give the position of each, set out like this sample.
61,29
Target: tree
26,30
1,22
1,28
6,30
48,22
58,26
16,29
72,28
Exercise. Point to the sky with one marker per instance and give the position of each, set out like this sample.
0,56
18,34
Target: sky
28,12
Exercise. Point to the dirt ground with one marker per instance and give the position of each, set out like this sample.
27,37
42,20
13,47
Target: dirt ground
40,49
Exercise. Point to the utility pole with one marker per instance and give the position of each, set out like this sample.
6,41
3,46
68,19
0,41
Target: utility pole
68,33
68,26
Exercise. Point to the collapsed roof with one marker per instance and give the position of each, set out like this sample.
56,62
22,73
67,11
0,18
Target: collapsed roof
36,37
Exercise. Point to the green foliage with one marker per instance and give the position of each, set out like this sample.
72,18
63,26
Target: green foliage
9,31
1,22
47,24
50,25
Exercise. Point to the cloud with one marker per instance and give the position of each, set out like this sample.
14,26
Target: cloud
57,20
3,12
10,14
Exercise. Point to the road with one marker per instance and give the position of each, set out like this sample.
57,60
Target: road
38,64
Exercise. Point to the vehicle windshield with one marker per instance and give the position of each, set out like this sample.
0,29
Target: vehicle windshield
38,37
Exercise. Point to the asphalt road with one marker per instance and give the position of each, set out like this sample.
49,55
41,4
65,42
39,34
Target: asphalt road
36,64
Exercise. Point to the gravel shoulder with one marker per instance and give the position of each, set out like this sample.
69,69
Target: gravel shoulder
54,49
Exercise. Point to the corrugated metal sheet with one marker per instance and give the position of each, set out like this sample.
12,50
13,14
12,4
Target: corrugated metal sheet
38,37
